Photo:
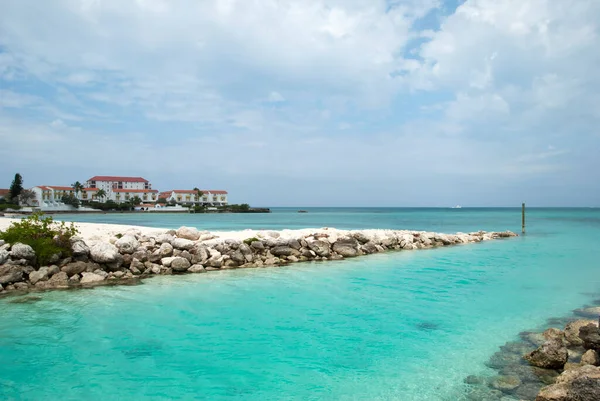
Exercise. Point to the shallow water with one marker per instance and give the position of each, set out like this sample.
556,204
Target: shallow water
398,326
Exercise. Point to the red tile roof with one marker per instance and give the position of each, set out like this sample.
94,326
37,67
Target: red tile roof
115,178
56,188
136,190
216,191
4,191
91,189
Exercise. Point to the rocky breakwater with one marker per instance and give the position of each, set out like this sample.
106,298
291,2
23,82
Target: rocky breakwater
131,255
554,365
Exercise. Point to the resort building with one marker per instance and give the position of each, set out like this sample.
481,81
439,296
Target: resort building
4,193
124,195
51,195
214,197
113,185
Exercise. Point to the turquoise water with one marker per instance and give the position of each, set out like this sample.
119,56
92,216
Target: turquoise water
398,326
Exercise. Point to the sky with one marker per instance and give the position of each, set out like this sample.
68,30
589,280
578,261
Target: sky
308,102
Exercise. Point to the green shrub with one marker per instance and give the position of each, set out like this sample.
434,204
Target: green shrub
44,235
248,241
6,206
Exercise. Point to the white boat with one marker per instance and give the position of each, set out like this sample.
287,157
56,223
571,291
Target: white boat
457,207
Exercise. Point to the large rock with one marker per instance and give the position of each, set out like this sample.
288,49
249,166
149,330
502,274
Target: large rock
127,244
38,275
4,255
74,268
180,264
505,383
590,336
589,313
22,251
103,252
59,280
10,274
197,269
347,247
165,250
167,261
551,355
321,248
80,248
580,384
572,331
182,243
90,278
283,251
190,233
590,357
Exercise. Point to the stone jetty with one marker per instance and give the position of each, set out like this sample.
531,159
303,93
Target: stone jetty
132,254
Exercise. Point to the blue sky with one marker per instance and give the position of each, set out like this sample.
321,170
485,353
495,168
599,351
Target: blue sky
308,102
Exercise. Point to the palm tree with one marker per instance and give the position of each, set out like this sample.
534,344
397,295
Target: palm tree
136,200
77,187
101,194
199,193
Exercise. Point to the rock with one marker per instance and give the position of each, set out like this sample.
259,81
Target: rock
590,313
283,251
164,239
590,336
155,269
369,248
10,274
127,244
182,243
554,334
190,233
165,250
119,274
74,268
215,261
80,248
551,355
572,331
196,269
257,245
347,247
74,279
59,280
90,278
238,257
22,251
321,248
581,384
590,357
100,273
142,255
167,261
180,264
21,286
103,252
38,275
52,270
505,383
4,255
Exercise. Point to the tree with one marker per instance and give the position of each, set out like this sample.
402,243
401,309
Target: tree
26,196
70,199
16,187
199,193
161,200
101,194
77,187
136,200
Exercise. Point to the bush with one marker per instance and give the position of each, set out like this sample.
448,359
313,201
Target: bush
45,236
6,206
249,241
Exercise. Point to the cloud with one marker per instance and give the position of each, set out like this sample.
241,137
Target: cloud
354,96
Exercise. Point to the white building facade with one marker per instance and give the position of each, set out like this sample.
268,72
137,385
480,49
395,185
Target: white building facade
214,197
113,185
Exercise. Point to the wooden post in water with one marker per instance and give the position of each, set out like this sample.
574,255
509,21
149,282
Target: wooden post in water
523,218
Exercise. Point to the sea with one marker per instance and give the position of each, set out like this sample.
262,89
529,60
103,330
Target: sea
407,325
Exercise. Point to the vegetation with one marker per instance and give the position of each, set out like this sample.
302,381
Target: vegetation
136,200
77,187
161,200
16,187
249,241
71,199
6,206
101,194
46,237
26,196
199,193
109,205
